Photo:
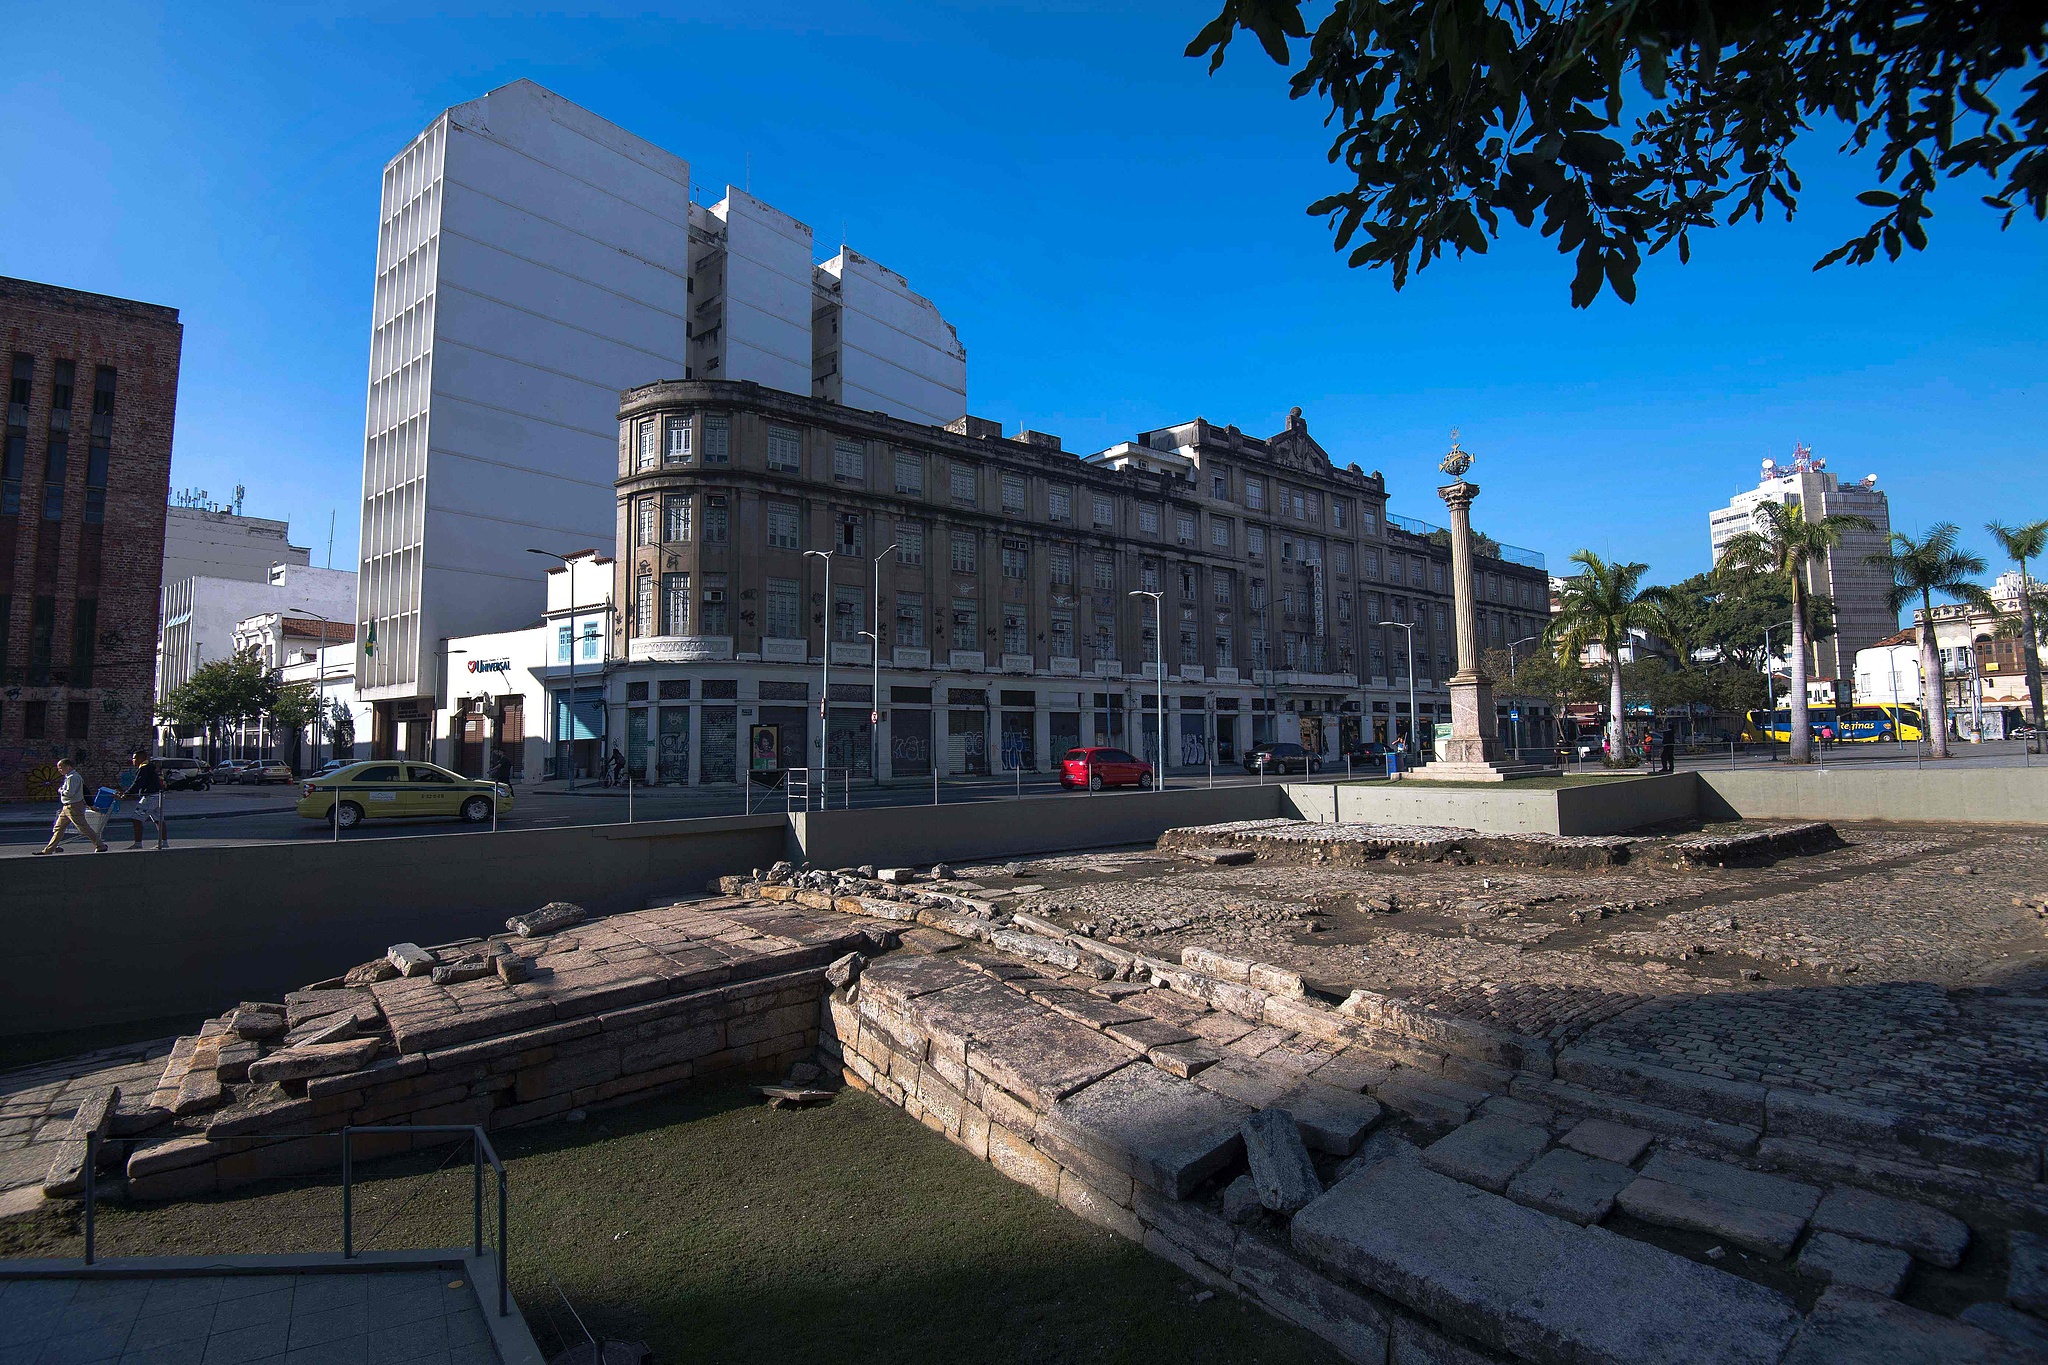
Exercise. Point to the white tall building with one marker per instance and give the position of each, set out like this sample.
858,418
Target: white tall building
534,260
1861,616
211,542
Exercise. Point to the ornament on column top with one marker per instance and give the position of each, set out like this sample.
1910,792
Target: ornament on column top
1458,461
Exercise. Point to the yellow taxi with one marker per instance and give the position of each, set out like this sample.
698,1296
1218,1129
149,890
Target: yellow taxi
397,789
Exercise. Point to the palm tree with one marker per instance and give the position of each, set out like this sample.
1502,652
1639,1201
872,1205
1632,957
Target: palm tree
1600,605
2023,543
1922,568
1778,550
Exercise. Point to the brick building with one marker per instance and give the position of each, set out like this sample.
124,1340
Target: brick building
756,530
85,473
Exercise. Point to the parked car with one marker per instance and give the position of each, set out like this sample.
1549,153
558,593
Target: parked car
268,771
1103,767
1281,758
1593,745
228,771
383,789
1370,753
332,765
184,774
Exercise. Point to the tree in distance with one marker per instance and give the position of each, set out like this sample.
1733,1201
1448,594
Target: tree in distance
1600,605
224,692
1920,569
2022,543
1453,113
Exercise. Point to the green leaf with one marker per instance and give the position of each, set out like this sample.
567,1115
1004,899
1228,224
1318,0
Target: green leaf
1877,199
1586,284
1621,275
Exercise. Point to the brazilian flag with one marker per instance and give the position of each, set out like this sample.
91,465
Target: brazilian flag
370,642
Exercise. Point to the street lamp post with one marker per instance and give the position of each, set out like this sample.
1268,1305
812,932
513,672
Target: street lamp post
875,691
319,675
825,682
570,565
1414,729
1159,675
1525,640
1771,685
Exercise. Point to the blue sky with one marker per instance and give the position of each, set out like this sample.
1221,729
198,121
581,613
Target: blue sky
1119,238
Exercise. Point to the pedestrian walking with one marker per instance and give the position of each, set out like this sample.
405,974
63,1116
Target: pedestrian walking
1668,750
501,766
147,793
617,775
70,810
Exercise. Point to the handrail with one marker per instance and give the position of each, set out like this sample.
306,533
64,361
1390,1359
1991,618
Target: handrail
480,1152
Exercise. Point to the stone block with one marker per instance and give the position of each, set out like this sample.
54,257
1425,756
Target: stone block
1293,1291
1353,1071
1613,1142
1166,1249
1247,1082
1146,1033
328,1028
320,1059
1531,1285
410,959
1087,1008
911,975
1415,1344
1222,966
1282,1170
1570,1185
1086,1201
1184,1059
2026,1282
1834,1259
1045,1059
1331,1120
1426,1103
553,916
1935,1237
1274,980
257,1024
1168,1134
1760,1213
1296,1015
1016,1158
1487,1152
844,971
1241,1202
1202,1234
1710,1097
95,1112
2021,1329
303,1006
1852,1327
172,1154
198,1091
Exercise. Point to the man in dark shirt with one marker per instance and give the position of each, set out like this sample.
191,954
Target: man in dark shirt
147,792
501,766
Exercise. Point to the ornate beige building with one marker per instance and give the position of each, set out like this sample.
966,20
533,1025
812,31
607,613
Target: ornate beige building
1004,580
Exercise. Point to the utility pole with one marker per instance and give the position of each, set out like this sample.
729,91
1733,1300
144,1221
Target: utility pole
825,682
1158,674
574,641
1414,728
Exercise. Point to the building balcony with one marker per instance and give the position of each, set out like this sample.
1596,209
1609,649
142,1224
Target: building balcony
1063,667
1016,663
852,652
1191,673
965,660
775,651
1108,668
904,657
679,649
1225,674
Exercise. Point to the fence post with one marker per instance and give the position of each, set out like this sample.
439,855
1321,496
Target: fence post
92,1161
935,779
629,798
348,1200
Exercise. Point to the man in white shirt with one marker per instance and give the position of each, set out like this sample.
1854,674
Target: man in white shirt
70,810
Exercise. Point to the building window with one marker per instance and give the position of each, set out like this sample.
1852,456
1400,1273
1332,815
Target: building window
592,643
1286,550
1105,637
849,462
1105,572
1219,487
1222,649
910,620
1061,566
1369,520
781,518
1059,504
849,613
963,551
675,604
1104,512
675,518
1372,564
1340,513
1343,564
717,526
1343,608
1016,631
1436,576
909,473
1219,532
1394,570
966,623
714,622
1013,493
1148,519
1255,494
785,449
781,617
1063,635
643,521
42,630
1187,584
643,604
1255,541
1184,527
852,537
1190,651
1148,577
1016,560
963,484
717,439
1219,587
675,446
909,543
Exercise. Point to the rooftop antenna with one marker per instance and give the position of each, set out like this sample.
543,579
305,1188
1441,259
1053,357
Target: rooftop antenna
330,537
750,171
238,500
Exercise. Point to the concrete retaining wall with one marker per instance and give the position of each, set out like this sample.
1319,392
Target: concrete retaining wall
1972,795
893,835
96,940
1603,808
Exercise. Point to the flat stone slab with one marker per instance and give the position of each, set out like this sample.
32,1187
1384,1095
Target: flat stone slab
1835,1259
1258,1087
1282,1171
1222,857
1424,1102
1760,1213
1147,1033
319,1059
1571,1185
1168,1134
1184,1059
2022,1329
1487,1152
912,975
1331,1120
1935,1237
1616,1142
2026,1284
1535,1286
1851,1327
1045,1060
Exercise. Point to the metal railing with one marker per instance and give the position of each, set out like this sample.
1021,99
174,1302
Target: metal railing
480,1152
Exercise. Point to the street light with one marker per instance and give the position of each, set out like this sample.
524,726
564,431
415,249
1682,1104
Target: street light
1771,685
1409,626
574,641
1525,640
1159,674
320,674
874,637
825,698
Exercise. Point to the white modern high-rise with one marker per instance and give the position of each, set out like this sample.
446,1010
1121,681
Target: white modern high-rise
532,261
1862,617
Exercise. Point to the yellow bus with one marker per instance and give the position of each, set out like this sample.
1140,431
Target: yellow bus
1865,724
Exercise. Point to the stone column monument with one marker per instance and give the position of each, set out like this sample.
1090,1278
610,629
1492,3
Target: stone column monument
1473,752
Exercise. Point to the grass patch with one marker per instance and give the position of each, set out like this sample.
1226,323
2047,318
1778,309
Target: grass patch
716,1229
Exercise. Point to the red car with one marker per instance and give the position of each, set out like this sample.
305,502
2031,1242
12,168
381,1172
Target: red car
1099,768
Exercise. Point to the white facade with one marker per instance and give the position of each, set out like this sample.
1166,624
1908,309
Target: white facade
200,542
1845,574
199,616
882,347
1887,673
750,294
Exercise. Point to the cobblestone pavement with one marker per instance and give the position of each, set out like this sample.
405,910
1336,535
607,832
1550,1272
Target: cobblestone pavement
1895,970
38,1102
